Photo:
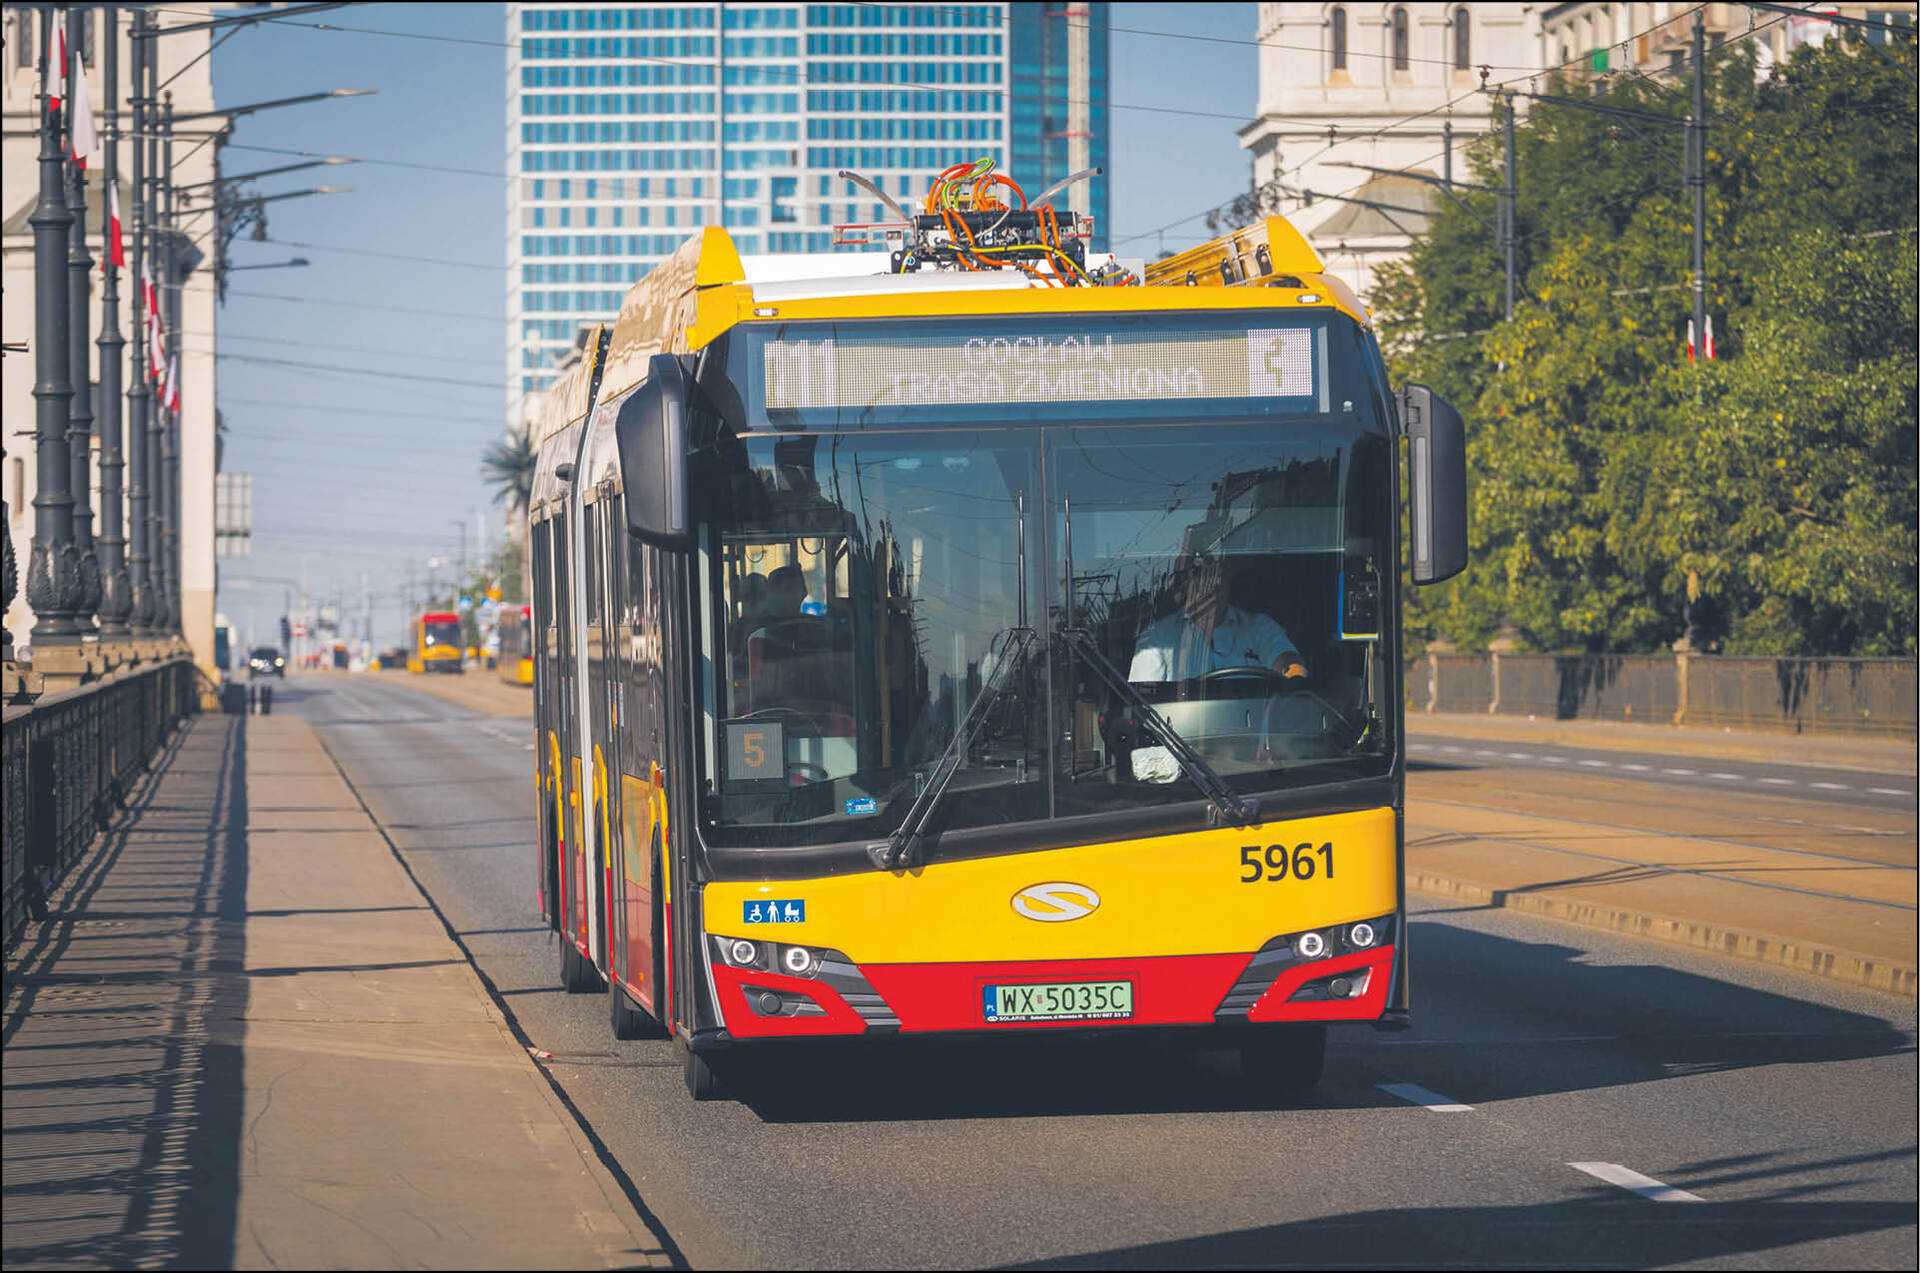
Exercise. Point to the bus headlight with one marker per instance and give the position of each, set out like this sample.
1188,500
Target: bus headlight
741,953
1311,945
797,960
1361,935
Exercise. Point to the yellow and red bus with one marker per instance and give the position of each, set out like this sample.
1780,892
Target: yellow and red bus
436,643
992,642
514,662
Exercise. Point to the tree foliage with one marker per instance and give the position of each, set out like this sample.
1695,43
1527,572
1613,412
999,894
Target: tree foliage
1619,489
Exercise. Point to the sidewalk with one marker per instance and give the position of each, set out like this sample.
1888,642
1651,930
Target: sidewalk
1831,751
244,1040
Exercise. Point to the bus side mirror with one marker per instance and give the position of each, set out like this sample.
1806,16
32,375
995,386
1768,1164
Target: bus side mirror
1437,456
651,432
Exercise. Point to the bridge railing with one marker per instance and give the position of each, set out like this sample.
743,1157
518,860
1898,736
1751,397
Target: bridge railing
70,759
1793,695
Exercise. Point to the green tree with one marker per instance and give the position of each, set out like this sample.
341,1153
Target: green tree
508,466
1612,479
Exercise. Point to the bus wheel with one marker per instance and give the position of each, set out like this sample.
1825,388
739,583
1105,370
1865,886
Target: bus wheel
1287,1061
577,975
630,1020
703,1084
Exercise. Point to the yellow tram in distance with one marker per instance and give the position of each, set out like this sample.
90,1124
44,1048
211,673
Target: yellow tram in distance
990,641
514,662
435,643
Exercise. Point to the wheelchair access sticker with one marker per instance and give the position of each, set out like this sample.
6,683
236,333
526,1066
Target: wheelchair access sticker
777,911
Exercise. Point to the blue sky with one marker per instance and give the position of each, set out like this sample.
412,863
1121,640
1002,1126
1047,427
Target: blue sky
362,467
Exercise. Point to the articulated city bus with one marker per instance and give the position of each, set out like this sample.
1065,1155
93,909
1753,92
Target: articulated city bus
514,661
993,645
436,643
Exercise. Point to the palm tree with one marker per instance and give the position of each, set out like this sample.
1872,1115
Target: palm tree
508,467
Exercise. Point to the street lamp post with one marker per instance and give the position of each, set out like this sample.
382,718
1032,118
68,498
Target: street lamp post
52,587
170,419
160,241
79,354
139,481
115,603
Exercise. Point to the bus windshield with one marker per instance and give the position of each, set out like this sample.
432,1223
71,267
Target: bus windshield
865,588
441,632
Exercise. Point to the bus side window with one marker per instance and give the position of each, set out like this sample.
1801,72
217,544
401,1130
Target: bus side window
562,592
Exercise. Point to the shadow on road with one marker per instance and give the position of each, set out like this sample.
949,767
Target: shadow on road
1560,1023
123,1073
1605,1229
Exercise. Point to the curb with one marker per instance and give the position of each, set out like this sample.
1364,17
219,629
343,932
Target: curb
1819,961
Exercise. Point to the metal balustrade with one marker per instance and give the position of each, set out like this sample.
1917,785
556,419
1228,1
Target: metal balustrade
70,760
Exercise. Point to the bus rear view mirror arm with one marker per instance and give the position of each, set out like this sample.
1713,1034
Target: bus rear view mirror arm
651,431
1437,489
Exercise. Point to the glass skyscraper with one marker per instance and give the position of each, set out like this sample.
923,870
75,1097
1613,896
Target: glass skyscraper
631,126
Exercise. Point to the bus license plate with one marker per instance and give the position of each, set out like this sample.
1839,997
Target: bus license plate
1059,1001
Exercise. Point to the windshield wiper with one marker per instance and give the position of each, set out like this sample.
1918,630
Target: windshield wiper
899,848
1226,804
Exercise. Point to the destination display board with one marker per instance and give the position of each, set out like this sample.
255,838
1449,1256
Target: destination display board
880,371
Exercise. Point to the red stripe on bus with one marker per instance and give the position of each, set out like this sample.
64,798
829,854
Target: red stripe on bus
1274,1005
1167,989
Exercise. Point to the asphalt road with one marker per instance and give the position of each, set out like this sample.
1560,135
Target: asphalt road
1720,777
1566,1098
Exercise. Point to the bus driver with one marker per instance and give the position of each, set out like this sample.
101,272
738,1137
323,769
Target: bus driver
1208,635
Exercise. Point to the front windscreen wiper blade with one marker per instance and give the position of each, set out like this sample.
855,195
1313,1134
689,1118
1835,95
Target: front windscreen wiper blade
1226,803
898,849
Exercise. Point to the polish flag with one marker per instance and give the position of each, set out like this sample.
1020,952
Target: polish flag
1690,350
173,386
57,62
81,137
1709,337
116,243
156,346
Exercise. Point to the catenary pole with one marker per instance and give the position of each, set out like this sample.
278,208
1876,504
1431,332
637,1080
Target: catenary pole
80,344
163,267
1697,175
111,540
170,419
1509,230
139,394
53,589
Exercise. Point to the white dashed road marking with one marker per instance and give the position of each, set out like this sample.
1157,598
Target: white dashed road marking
1597,764
1888,791
1414,1094
1830,786
1728,777
1778,782
1633,1182
1681,773
1639,769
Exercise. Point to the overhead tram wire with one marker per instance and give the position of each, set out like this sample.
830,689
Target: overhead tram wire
361,371
337,409
385,256
794,73
1206,39
382,307
339,349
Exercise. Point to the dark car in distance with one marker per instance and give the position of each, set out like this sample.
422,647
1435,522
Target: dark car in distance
266,661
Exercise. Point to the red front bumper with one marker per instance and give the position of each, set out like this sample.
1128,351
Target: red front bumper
1185,990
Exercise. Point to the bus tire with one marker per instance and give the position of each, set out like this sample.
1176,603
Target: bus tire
1286,1060
629,1019
577,975
703,1082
